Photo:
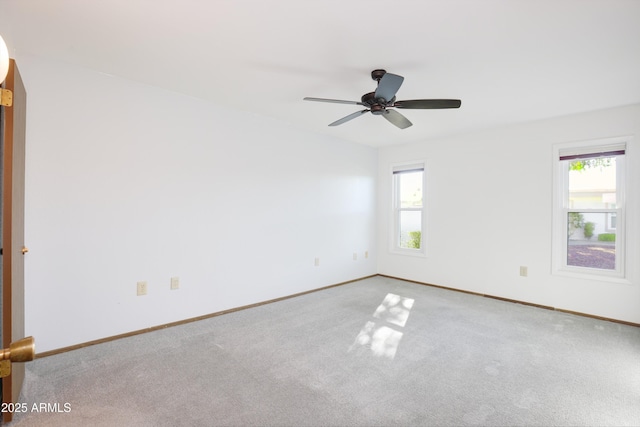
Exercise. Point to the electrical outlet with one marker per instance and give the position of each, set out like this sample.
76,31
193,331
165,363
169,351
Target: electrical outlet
317,262
355,256
142,288
175,283
366,254
523,271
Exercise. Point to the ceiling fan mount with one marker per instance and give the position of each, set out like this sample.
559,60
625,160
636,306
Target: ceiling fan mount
381,102
378,74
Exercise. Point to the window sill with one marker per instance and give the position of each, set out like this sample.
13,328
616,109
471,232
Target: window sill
595,276
409,252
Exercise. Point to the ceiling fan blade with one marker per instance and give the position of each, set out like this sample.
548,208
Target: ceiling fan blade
335,101
397,119
428,103
349,117
388,86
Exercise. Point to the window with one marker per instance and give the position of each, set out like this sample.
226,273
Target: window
589,209
408,208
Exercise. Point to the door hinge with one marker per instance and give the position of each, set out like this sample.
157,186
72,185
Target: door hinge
6,98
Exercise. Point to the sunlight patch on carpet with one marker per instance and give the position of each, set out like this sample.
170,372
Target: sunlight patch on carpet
394,309
382,340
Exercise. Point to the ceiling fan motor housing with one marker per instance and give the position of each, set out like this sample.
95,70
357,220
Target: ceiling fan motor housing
369,98
377,106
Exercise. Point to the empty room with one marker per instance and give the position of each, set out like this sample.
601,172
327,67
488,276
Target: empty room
321,213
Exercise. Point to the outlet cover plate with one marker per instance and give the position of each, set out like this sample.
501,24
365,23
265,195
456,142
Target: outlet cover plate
141,288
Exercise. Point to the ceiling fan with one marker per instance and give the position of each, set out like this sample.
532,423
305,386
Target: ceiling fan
380,102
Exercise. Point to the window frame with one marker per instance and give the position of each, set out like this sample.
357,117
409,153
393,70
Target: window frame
561,209
396,169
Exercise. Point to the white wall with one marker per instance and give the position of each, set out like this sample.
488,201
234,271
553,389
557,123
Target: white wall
489,211
127,182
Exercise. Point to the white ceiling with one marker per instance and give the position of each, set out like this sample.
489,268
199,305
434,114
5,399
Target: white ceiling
508,61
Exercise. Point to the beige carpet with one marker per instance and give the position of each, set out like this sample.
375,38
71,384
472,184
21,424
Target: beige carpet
373,352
